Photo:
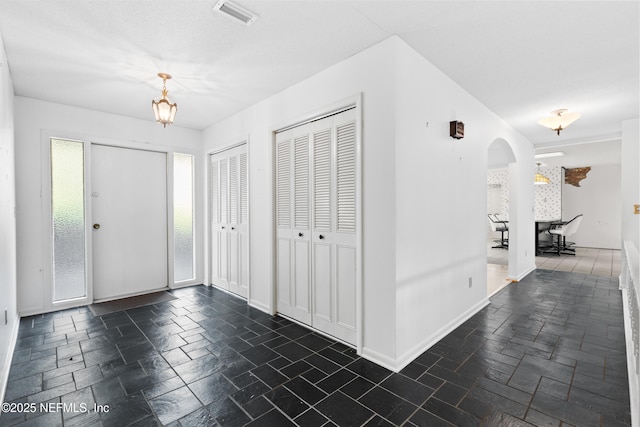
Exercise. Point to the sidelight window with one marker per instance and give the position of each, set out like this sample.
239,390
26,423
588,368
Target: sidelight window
183,217
68,219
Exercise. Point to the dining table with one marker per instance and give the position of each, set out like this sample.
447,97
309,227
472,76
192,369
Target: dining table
542,225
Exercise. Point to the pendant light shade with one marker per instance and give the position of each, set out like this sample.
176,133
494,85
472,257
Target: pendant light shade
162,107
540,179
559,120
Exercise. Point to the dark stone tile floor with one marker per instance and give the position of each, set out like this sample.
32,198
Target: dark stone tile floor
548,351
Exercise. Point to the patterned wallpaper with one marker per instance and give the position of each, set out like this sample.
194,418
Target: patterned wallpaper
498,186
547,198
547,202
497,195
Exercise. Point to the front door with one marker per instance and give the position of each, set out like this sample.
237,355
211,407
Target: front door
129,217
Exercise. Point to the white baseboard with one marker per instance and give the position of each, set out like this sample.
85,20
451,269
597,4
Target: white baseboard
260,306
523,274
379,359
632,363
399,363
430,341
6,367
185,285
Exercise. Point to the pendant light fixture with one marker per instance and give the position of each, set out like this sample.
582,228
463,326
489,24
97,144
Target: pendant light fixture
559,120
163,109
540,179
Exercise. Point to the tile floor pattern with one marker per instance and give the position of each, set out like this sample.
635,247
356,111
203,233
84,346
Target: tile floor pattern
600,262
547,351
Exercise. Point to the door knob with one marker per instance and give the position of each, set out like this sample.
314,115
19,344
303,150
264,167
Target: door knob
300,234
233,228
223,227
321,237
96,226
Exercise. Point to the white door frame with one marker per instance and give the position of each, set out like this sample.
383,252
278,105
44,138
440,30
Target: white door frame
207,196
331,109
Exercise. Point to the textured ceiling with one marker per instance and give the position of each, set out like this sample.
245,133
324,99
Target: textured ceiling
521,59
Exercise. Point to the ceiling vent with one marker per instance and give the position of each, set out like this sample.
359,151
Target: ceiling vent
235,11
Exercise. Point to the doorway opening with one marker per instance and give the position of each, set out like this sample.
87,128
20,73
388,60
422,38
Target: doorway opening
114,226
500,160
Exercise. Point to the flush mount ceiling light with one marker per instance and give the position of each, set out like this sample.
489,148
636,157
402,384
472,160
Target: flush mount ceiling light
235,11
540,179
163,109
559,120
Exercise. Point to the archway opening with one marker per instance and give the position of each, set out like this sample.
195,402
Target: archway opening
500,156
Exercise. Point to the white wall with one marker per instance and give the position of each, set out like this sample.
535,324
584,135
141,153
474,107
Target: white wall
630,180
36,119
441,213
370,73
598,199
417,259
9,330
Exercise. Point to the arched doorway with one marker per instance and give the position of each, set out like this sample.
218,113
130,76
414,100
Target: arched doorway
499,157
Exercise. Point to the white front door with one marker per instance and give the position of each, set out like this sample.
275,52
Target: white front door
129,217
230,220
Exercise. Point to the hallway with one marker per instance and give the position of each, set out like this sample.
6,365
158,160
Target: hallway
548,350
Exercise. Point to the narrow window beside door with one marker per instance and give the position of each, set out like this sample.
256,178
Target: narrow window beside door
183,216
68,219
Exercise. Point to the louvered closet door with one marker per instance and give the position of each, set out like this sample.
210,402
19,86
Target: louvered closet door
316,177
293,224
345,241
334,232
229,220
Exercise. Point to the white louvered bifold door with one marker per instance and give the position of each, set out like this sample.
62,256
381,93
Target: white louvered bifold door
229,220
243,224
334,229
214,212
345,235
323,206
301,227
219,221
293,225
284,224
317,244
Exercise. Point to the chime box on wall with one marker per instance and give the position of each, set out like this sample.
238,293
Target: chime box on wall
456,129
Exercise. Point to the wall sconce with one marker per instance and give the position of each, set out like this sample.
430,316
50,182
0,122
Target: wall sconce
456,129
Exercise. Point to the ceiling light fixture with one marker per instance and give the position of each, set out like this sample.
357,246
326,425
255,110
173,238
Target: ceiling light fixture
235,11
163,109
552,154
540,179
559,120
